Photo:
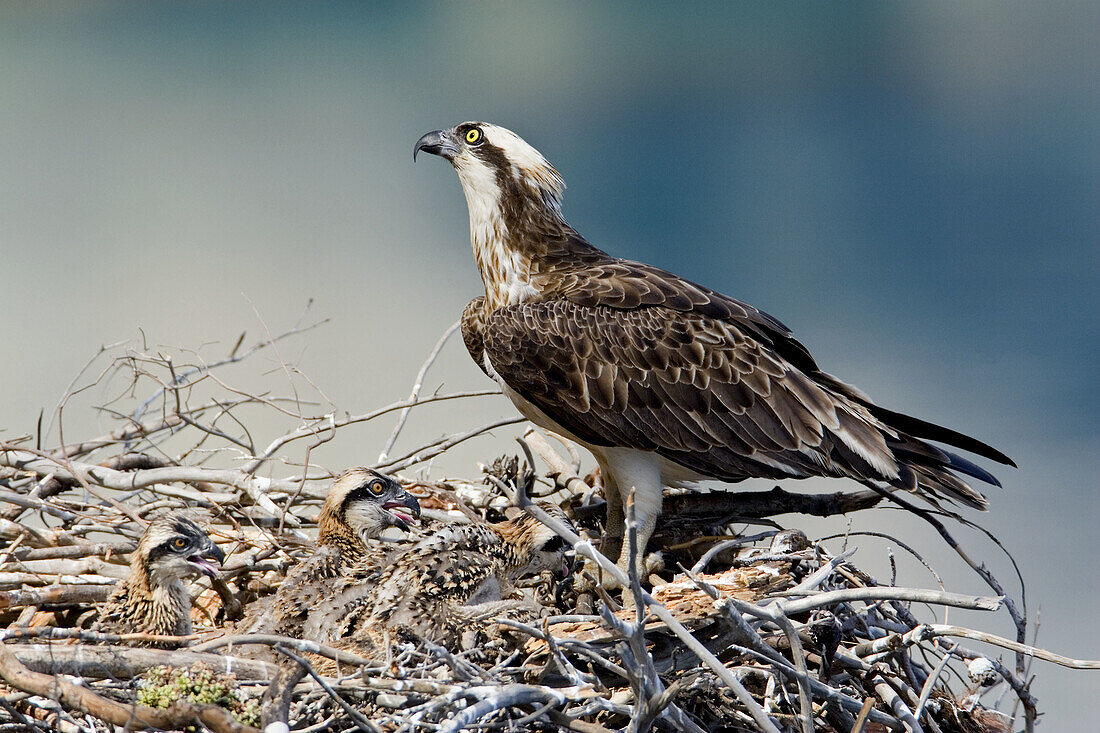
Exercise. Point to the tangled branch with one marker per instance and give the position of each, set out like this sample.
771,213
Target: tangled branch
768,631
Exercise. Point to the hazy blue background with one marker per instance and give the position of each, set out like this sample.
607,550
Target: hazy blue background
912,188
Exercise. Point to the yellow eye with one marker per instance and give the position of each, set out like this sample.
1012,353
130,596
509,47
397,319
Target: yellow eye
179,542
473,135
377,487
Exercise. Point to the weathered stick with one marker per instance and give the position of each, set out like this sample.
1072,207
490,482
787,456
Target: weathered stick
81,699
1025,649
129,481
84,549
57,595
312,647
127,662
490,699
757,504
890,593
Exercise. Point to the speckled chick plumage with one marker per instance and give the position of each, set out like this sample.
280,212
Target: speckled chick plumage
361,504
154,599
450,580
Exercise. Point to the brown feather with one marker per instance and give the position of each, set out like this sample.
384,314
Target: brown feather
434,588
350,518
627,355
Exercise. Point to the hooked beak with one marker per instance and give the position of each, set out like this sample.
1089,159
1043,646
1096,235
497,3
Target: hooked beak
404,518
436,142
210,561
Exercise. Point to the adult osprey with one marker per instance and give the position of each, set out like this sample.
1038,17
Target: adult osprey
665,381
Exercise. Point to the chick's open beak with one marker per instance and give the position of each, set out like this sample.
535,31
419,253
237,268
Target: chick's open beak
568,565
210,561
407,510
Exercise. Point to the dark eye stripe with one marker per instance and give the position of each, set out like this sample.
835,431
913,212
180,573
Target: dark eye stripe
168,547
554,545
361,493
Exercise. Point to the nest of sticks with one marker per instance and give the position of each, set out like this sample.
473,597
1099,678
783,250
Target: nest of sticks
766,631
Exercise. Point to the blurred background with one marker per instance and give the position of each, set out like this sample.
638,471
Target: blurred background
912,188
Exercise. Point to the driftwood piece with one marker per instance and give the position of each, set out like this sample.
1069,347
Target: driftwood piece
84,549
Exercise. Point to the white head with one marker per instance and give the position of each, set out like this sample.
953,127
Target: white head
514,199
497,168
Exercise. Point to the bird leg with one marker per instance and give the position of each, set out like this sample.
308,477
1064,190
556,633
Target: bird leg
642,515
614,528
629,477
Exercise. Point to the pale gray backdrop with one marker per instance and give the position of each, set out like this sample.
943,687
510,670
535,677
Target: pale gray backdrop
912,188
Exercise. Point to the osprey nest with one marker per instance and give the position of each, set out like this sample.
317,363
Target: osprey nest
742,623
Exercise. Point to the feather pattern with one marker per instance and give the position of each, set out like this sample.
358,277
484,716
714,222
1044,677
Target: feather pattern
455,575
625,355
355,512
153,599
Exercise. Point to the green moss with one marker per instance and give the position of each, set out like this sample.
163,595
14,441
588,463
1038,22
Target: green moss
162,686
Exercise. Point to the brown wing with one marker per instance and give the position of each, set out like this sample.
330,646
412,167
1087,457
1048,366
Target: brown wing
335,615
306,585
415,593
473,324
586,276
704,394
116,614
448,564
626,285
695,389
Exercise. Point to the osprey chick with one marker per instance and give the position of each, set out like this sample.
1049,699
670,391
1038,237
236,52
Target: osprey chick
361,504
447,582
665,381
153,599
